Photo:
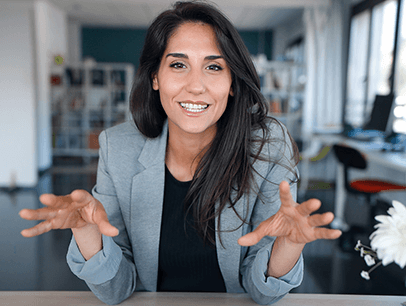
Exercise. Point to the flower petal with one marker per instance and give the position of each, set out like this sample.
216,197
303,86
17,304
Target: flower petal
402,261
391,211
386,260
399,207
369,260
381,218
365,275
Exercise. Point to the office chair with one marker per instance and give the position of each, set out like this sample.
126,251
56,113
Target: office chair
352,158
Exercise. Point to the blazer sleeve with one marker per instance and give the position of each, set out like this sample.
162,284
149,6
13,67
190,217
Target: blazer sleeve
111,273
262,289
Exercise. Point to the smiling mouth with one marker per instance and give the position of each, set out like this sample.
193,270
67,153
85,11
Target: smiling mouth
194,108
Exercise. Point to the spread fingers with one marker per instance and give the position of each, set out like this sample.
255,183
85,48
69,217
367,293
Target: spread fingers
50,199
325,233
306,208
39,229
38,214
320,219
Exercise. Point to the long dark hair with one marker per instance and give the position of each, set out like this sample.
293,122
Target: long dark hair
227,165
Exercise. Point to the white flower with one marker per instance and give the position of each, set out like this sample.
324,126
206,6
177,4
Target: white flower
369,260
358,246
365,275
389,240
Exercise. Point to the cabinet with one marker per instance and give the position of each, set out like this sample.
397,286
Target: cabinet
86,99
283,85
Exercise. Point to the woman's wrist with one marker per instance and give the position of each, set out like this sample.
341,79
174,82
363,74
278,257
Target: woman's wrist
288,243
284,256
88,239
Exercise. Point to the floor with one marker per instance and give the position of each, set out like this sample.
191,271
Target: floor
39,263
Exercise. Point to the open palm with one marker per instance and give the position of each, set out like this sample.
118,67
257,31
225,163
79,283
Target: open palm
75,210
294,222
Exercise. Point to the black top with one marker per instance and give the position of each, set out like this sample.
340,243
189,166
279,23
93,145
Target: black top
185,262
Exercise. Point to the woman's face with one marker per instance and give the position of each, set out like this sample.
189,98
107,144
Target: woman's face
193,80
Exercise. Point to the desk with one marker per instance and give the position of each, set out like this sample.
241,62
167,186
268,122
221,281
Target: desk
395,161
64,298
372,151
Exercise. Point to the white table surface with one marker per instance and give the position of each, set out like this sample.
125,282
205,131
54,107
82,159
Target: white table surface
372,150
77,298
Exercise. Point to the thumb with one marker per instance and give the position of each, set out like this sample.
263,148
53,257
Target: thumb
251,238
107,229
100,218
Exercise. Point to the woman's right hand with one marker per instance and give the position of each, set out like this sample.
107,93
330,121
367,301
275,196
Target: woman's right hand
76,210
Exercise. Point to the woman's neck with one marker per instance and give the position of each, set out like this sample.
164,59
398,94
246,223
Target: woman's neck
185,150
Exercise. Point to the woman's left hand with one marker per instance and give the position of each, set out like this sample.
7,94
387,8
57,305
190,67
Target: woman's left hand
294,222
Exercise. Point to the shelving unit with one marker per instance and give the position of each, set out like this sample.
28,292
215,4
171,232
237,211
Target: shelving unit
283,84
86,99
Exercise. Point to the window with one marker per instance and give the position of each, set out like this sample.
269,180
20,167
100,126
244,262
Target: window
357,68
382,47
371,51
399,123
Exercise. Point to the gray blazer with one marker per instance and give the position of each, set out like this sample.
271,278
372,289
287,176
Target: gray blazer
130,185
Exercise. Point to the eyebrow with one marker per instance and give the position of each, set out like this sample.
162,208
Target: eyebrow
182,55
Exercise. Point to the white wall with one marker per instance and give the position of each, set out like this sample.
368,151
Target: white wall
31,34
51,36
18,159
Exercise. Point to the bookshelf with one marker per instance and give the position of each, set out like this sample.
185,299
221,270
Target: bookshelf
86,99
283,85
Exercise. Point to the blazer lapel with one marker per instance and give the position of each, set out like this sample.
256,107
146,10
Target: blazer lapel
146,209
229,256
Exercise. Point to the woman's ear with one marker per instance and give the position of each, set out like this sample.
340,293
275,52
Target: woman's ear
155,85
231,91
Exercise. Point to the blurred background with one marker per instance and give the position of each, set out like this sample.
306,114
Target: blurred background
332,71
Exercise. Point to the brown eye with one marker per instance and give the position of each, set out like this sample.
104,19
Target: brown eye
215,67
177,65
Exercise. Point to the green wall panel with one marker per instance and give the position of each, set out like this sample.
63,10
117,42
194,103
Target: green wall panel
113,44
125,45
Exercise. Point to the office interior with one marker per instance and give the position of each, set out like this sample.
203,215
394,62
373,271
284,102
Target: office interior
66,72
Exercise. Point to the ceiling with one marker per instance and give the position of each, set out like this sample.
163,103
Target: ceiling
245,14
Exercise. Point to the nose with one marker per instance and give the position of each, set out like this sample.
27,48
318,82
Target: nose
195,83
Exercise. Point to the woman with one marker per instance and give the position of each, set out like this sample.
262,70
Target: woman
192,195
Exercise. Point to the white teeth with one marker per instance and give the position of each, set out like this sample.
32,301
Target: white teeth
190,107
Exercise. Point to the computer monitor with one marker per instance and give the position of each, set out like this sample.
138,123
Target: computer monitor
381,116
